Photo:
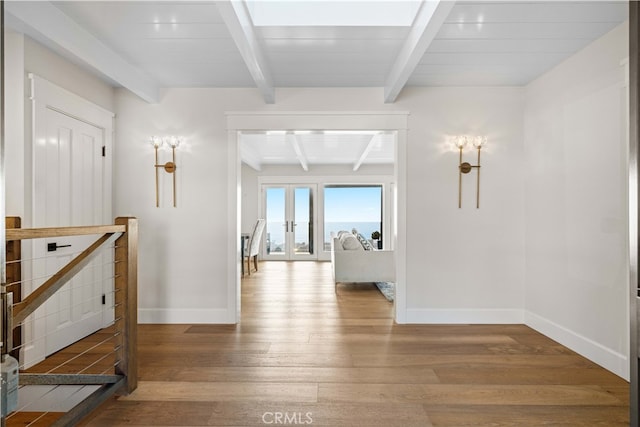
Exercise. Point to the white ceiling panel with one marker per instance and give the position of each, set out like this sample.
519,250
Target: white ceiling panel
482,59
141,19
332,80
524,30
328,64
348,33
380,46
170,31
539,11
134,12
311,54
486,46
180,50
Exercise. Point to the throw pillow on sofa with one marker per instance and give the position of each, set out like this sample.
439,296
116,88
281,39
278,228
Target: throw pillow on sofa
364,242
351,243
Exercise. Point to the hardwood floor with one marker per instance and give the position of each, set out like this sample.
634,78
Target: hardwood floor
306,355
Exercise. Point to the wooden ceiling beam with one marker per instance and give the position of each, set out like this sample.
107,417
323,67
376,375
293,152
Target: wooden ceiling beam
365,153
299,154
426,25
238,22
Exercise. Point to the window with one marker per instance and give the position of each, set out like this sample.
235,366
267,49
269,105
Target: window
348,207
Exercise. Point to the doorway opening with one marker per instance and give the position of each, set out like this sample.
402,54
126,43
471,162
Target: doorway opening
245,198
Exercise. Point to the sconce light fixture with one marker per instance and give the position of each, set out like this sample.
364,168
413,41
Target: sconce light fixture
478,142
169,167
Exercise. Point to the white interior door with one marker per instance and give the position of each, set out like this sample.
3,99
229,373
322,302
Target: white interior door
68,189
291,223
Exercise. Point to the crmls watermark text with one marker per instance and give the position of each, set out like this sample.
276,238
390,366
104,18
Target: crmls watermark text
287,418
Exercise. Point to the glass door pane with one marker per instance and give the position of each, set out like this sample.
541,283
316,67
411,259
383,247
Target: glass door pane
303,221
276,220
290,230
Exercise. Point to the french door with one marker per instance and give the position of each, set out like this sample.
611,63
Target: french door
290,214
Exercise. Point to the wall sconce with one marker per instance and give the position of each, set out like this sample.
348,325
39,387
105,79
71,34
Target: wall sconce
478,142
169,167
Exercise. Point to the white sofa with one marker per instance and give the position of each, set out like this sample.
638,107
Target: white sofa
352,264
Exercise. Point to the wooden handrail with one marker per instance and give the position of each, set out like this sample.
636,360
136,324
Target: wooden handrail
36,298
41,233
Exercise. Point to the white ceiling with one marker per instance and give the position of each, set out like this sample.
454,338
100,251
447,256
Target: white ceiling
146,45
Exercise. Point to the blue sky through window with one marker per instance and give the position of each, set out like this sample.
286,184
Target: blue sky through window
341,204
302,204
275,204
352,204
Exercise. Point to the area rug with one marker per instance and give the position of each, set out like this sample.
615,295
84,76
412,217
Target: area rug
388,289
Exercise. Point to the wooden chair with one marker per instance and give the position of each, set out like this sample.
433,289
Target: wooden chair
253,246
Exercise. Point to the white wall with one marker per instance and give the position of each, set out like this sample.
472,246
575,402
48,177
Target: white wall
182,251
464,265
576,276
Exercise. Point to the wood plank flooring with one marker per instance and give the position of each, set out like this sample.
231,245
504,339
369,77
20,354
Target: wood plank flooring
304,354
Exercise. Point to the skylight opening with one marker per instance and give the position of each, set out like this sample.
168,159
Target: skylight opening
319,13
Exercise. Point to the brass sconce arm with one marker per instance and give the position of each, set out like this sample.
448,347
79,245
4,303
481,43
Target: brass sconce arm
466,167
169,167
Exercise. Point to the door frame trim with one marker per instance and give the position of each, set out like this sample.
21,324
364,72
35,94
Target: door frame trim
47,95
313,120
633,198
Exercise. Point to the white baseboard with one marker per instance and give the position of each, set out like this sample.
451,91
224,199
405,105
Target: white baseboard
176,316
597,353
471,316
